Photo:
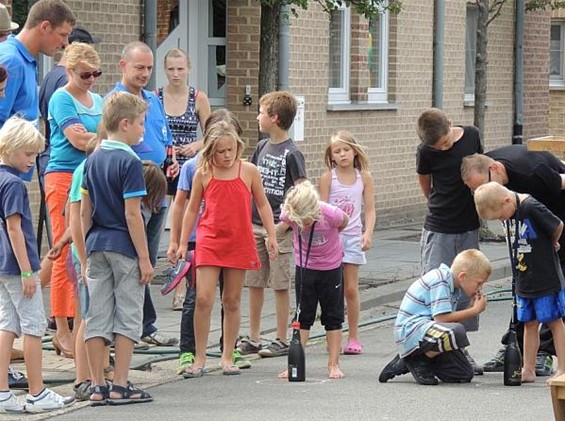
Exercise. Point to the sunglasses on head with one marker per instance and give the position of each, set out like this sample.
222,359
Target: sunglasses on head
88,75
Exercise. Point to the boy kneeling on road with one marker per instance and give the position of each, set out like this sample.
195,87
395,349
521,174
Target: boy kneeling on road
428,332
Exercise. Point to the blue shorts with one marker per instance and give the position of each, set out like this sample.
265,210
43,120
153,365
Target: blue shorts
543,309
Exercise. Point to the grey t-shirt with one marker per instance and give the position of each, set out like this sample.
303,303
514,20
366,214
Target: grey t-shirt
280,165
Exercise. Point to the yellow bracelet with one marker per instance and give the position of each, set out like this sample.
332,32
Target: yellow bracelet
26,274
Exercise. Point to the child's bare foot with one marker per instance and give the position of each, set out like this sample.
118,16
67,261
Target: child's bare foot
283,375
528,376
334,372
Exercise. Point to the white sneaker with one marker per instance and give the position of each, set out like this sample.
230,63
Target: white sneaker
47,401
11,404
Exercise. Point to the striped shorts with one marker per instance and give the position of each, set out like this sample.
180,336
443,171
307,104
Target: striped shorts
18,314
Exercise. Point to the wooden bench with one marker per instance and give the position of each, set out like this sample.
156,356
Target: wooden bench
557,386
555,144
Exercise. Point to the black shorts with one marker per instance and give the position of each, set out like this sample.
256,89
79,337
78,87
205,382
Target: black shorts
324,287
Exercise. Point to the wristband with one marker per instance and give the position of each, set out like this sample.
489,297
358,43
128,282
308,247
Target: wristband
26,274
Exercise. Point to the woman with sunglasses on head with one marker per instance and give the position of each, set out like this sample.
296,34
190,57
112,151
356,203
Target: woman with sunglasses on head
74,114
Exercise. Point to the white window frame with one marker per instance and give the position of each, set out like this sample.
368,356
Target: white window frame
469,97
558,81
380,94
341,95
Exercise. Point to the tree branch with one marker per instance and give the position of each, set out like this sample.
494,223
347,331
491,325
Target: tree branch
494,10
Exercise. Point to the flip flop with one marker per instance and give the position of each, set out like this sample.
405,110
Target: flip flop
353,347
230,370
193,373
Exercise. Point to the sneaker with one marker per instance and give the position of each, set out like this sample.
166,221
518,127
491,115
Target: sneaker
178,301
11,404
277,348
477,369
496,363
16,379
157,338
394,368
247,346
186,360
47,401
421,370
82,390
240,361
174,275
544,364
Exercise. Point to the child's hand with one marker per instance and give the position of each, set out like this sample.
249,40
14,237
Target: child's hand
55,251
366,241
273,248
172,253
28,286
480,302
180,254
146,269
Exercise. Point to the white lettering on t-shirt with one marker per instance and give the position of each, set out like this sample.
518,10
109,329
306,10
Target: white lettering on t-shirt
273,173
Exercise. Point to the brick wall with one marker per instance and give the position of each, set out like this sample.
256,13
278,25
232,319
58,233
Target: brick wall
164,8
556,122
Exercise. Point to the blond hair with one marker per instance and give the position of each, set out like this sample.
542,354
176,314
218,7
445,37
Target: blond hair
360,161
489,199
121,106
475,164
433,124
282,104
81,52
302,204
214,133
176,53
473,262
18,134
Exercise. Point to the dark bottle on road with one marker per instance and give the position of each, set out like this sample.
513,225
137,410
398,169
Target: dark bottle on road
512,361
296,360
167,165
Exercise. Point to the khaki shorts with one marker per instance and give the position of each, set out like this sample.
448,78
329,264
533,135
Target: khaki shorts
273,273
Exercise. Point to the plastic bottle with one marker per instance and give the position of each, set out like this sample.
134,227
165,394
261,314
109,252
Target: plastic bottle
296,360
512,361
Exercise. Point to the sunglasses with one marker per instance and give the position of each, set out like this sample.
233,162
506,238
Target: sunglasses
88,75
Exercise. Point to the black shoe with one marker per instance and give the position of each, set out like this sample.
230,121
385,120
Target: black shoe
16,380
496,363
477,369
421,370
396,367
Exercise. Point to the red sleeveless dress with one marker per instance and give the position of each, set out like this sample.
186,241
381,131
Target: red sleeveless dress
224,236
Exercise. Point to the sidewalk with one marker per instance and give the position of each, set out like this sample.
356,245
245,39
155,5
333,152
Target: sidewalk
392,265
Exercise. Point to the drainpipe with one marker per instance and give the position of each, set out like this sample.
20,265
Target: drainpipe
284,47
439,50
150,33
517,132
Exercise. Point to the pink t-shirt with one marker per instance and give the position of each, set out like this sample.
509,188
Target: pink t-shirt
326,252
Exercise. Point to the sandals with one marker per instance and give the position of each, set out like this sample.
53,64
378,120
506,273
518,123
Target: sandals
353,347
103,391
129,394
230,370
194,373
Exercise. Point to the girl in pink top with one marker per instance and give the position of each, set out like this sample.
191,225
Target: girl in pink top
318,256
348,184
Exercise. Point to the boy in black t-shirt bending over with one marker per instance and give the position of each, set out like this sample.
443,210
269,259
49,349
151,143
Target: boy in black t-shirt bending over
451,223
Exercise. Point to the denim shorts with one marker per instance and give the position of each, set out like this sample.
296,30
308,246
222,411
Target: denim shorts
82,288
543,309
352,252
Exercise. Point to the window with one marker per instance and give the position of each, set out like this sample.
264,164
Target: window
377,59
556,56
339,59
472,22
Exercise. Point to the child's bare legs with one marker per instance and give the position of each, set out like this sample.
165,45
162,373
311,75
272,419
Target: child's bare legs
231,300
333,338
531,345
95,353
124,351
205,293
33,360
282,306
81,361
351,277
256,300
6,343
558,331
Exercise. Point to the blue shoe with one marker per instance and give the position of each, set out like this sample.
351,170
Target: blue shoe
174,275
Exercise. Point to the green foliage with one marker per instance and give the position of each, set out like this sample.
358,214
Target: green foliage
19,11
368,8
532,5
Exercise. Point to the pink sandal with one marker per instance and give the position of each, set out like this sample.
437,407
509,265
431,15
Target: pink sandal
353,347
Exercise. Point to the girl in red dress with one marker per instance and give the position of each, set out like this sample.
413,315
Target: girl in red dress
224,236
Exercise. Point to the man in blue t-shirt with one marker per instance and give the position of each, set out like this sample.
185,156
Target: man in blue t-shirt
136,64
47,29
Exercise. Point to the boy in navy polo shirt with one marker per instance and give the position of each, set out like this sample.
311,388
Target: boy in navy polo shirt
21,302
118,258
